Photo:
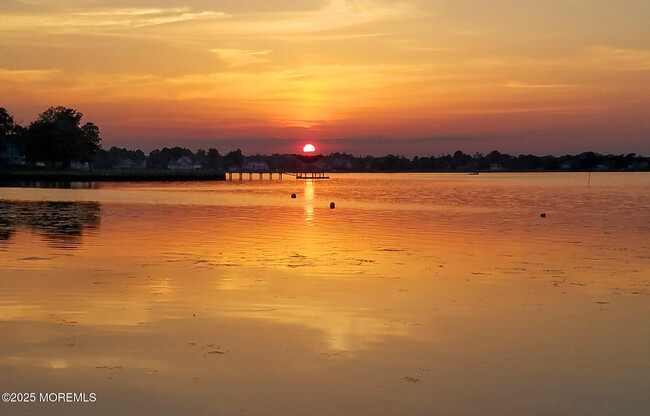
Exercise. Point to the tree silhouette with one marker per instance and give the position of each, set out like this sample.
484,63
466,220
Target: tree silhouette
6,123
6,127
11,135
234,158
57,137
159,159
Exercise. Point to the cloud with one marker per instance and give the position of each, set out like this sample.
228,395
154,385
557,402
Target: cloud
25,75
239,57
93,20
133,12
517,84
620,59
336,15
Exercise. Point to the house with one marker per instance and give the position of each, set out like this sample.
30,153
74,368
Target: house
77,165
636,166
129,163
183,163
256,165
10,154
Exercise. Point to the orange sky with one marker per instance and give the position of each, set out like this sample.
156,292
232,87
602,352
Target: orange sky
414,76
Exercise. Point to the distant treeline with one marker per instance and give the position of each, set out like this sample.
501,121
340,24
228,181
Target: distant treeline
58,139
182,158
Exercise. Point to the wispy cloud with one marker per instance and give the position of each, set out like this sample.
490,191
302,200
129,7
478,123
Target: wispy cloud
323,22
239,57
620,59
517,84
133,12
337,14
8,75
93,20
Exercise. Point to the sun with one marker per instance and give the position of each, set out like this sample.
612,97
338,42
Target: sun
309,148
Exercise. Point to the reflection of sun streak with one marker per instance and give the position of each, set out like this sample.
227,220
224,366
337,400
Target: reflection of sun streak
309,201
344,331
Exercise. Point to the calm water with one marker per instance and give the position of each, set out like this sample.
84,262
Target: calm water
420,294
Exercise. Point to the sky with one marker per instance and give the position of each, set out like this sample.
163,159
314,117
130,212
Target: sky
413,77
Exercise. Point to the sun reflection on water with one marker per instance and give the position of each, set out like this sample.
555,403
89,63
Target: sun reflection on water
309,201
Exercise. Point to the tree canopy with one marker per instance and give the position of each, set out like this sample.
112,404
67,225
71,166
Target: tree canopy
11,135
6,123
57,136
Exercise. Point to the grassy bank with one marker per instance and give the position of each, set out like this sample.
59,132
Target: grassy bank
112,175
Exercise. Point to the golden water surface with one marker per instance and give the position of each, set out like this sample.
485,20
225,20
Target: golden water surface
420,294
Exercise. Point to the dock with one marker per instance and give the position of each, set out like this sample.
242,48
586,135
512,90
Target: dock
309,175
268,174
251,174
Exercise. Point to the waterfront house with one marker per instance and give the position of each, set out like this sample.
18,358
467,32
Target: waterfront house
183,163
129,163
10,154
256,166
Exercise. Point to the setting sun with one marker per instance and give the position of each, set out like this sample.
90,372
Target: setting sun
309,148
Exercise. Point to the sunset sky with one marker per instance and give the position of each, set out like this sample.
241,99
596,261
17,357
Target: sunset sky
368,77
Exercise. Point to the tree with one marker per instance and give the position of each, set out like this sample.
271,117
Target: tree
11,135
6,123
57,136
461,160
234,158
7,127
160,158
213,159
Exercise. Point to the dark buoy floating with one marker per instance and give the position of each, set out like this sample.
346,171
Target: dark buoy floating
543,215
293,196
332,205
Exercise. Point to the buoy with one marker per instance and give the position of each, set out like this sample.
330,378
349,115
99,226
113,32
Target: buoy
332,205
293,196
543,215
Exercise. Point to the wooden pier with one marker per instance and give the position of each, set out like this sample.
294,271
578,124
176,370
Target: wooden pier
310,175
261,174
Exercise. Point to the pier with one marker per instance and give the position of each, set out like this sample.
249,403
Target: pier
251,174
268,174
309,175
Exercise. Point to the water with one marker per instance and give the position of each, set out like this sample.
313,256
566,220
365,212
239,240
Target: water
419,294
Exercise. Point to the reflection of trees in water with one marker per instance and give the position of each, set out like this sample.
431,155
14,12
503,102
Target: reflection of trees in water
60,223
6,226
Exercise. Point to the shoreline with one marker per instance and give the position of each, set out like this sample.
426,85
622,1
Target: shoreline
112,176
